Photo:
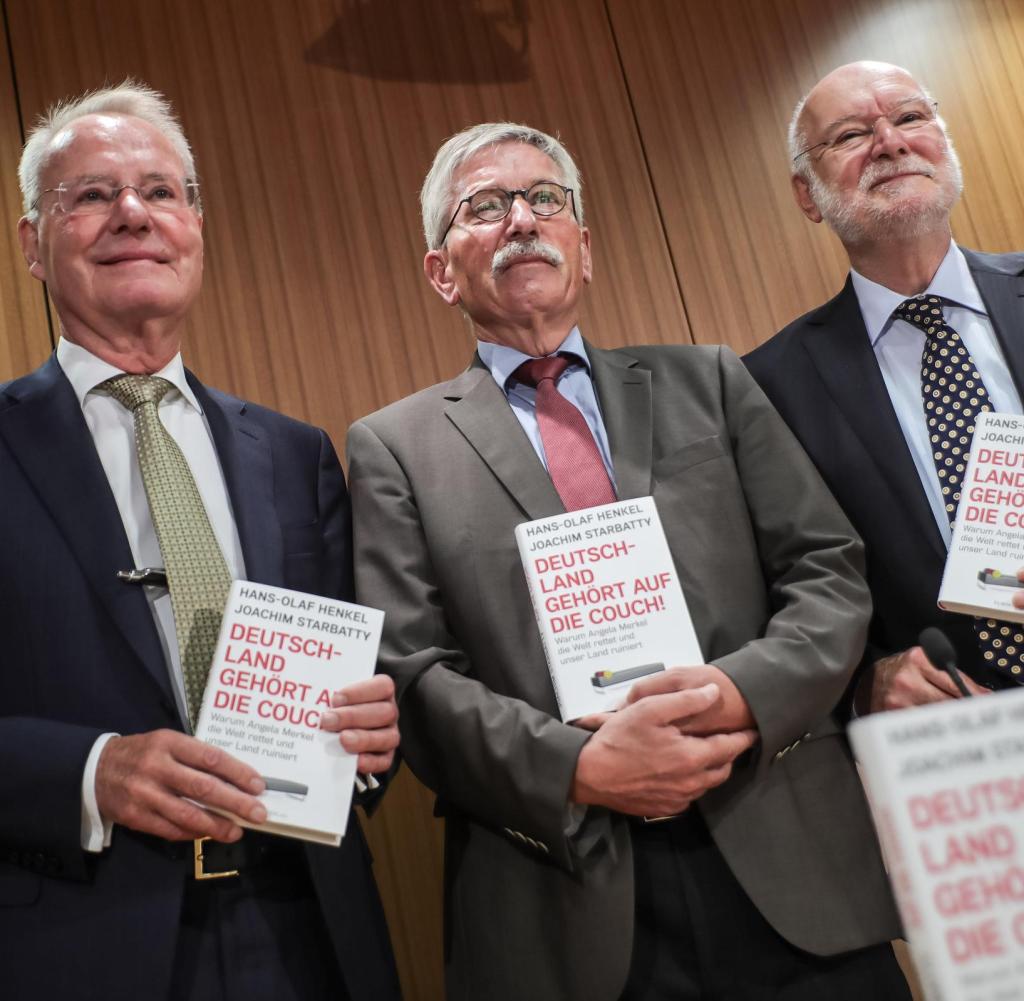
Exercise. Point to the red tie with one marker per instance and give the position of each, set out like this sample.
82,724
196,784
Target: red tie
574,462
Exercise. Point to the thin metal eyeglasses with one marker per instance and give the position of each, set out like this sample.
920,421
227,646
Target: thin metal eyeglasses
909,116
545,198
95,197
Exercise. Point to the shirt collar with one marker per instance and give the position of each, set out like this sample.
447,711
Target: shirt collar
952,281
85,372
502,360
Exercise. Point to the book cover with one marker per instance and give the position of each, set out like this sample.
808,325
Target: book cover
279,656
946,788
607,601
987,549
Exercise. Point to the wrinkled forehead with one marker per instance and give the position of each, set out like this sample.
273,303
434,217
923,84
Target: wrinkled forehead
506,165
857,93
101,143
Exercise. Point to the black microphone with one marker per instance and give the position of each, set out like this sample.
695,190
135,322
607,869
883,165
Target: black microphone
940,652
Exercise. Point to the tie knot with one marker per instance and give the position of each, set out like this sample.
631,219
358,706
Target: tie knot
923,310
132,391
536,370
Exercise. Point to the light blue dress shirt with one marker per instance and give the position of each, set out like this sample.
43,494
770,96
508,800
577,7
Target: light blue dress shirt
898,345
576,385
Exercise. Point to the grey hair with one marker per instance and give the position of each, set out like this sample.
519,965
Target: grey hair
437,193
127,98
796,139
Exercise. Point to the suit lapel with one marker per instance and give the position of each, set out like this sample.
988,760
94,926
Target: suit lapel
479,410
1001,290
245,458
48,437
624,392
841,352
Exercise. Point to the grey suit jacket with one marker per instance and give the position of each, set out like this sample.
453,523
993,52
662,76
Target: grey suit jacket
772,574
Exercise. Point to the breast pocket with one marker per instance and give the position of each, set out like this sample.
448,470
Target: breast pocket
303,555
692,454
302,540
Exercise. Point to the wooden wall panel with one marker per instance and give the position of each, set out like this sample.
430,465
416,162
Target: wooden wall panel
24,328
313,122
714,85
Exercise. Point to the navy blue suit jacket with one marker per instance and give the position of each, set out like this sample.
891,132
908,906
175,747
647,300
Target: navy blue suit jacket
822,377
80,656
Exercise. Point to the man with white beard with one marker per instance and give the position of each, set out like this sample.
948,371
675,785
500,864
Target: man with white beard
882,383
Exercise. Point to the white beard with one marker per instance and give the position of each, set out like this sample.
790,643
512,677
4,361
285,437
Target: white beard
864,216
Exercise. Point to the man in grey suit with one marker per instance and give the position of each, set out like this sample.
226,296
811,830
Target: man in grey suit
874,161
557,887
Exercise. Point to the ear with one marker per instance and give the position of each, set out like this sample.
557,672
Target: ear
585,258
802,194
435,267
28,237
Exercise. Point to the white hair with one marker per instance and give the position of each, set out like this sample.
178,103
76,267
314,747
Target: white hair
437,194
796,139
127,98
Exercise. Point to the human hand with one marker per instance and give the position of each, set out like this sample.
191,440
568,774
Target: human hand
908,679
145,781
365,716
1018,596
727,715
639,762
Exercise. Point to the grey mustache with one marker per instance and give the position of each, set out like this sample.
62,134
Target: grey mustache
526,248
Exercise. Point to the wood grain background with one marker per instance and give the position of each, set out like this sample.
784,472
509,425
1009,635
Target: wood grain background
314,121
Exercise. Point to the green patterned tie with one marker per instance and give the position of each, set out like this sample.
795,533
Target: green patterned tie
197,576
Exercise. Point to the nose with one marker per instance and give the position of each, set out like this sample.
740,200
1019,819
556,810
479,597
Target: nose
521,218
887,140
129,211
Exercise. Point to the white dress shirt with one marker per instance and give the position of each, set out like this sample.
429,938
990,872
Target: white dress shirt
113,432
898,346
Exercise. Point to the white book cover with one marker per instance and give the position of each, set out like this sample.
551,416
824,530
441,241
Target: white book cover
279,657
946,788
607,601
988,538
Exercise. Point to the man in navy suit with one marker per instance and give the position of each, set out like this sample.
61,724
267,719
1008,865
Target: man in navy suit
98,897
873,160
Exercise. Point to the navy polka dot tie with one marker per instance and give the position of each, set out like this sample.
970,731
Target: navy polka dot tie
954,395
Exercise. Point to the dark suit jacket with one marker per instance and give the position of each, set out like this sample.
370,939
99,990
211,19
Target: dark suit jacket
80,656
821,374
770,569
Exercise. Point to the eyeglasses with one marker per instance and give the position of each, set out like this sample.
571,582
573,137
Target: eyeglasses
545,198
96,197
853,137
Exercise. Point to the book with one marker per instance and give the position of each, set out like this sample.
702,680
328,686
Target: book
987,548
946,787
280,654
607,601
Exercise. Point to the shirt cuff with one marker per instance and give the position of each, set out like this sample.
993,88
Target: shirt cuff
366,782
95,830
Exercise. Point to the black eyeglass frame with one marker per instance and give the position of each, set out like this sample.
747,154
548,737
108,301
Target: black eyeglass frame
511,198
